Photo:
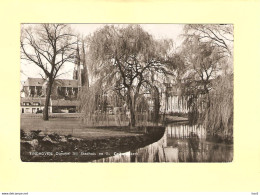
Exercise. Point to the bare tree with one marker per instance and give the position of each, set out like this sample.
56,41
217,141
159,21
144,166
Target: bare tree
50,47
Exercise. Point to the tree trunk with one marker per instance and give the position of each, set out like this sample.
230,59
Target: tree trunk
132,113
47,102
131,106
156,104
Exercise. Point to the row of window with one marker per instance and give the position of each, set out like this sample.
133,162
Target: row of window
32,110
28,104
62,91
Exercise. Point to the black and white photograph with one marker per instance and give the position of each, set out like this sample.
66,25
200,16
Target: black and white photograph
130,93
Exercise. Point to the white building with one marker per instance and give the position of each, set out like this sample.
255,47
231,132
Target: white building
33,105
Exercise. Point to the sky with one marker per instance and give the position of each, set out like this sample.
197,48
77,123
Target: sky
158,31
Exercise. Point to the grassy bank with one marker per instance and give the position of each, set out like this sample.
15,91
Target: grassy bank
37,146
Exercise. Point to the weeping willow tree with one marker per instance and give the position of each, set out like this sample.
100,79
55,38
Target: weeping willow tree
208,79
202,64
219,115
124,59
91,101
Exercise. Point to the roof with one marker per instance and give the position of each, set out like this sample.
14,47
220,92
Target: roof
34,82
31,100
65,103
60,82
67,82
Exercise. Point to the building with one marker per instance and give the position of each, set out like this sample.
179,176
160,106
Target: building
33,105
172,101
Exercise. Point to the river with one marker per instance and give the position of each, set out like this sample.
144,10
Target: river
176,146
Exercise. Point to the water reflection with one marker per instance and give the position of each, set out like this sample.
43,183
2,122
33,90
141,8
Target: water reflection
180,143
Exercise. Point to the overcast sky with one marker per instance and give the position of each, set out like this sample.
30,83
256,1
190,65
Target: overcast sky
159,31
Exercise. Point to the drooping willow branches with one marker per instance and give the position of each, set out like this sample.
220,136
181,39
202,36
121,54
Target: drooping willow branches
208,54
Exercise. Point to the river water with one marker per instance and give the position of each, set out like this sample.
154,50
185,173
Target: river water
176,146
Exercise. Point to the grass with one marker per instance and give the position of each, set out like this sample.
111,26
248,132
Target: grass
56,123
74,127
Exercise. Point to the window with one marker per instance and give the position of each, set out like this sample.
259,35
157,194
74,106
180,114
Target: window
27,110
26,103
39,90
36,103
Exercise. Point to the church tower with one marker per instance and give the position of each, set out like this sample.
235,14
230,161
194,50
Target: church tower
80,70
85,79
77,68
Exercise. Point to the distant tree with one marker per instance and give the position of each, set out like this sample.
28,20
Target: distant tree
124,59
48,46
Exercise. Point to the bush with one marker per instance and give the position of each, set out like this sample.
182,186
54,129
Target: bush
55,137
34,134
22,134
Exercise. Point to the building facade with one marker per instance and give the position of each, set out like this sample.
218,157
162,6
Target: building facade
172,100
33,105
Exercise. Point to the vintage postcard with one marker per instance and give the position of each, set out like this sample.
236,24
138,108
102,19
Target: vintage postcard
157,96
126,92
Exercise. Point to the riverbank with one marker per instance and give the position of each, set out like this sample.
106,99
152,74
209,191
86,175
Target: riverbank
37,146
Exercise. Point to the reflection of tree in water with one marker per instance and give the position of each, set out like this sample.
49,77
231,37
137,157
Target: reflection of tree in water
218,153
195,150
193,145
170,148
151,153
157,152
